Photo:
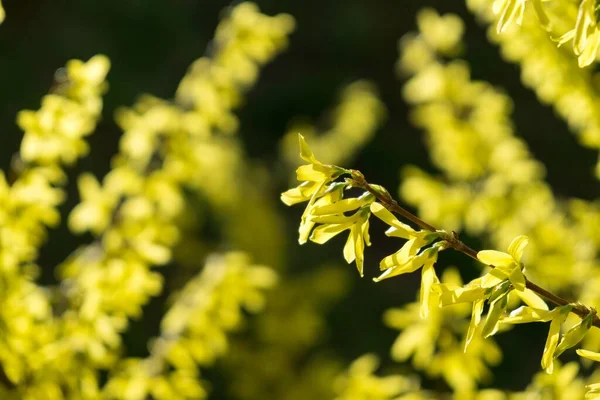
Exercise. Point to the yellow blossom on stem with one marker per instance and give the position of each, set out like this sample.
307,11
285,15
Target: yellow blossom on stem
94,213
585,34
315,171
333,224
443,33
512,11
553,348
316,176
507,265
593,390
407,259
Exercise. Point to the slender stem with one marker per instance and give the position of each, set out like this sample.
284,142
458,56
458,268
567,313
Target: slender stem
383,197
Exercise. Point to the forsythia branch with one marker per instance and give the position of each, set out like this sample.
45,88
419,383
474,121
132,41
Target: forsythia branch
358,180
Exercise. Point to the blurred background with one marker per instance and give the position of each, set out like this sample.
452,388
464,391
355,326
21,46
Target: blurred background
151,43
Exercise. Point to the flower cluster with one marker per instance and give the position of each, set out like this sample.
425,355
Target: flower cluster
194,331
66,341
56,341
136,212
54,136
327,208
491,184
437,342
501,288
551,72
584,32
288,340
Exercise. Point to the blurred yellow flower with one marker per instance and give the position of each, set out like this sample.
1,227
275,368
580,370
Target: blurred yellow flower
442,33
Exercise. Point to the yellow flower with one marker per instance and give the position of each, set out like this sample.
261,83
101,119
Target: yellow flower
507,265
443,33
326,195
593,390
334,222
510,11
585,35
497,297
325,206
407,259
451,294
553,348
304,192
315,171
574,335
95,211
87,81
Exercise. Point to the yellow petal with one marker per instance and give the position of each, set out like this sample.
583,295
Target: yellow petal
305,153
365,232
553,336
531,298
541,14
402,256
516,247
341,206
590,51
564,38
89,188
397,270
517,279
494,277
475,320
581,27
495,258
496,310
513,9
349,254
309,173
401,230
332,219
411,264
304,230
305,224
428,278
153,252
450,296
293,196
523,315
359,247
323,233
304,192
590,355
574,335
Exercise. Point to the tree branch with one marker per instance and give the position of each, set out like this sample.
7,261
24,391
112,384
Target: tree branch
383,197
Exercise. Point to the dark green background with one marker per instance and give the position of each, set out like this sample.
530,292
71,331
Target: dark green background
151,43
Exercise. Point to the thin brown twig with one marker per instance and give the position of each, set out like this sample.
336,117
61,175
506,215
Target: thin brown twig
383,197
